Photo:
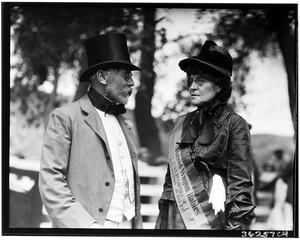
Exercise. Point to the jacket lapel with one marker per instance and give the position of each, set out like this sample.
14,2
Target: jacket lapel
94,122
203,133
92,119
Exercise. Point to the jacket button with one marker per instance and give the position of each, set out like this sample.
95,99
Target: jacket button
107,184
100,209
107,157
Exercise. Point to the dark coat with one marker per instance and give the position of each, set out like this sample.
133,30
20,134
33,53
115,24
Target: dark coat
221,145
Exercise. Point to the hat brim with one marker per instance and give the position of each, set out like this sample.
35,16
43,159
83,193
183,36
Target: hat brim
193,61
104,65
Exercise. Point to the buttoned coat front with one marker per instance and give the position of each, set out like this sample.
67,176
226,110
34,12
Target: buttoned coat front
76,178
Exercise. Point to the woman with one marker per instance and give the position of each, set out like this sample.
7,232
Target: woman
206,145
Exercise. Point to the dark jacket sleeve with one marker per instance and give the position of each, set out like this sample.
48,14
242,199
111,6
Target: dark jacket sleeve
167,190
239,205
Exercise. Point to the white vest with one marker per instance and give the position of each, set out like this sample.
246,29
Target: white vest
120,204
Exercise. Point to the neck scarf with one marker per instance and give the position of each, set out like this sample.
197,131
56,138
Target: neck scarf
199,124
104,104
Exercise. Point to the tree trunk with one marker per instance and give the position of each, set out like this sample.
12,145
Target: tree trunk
287,43
145,123
288,52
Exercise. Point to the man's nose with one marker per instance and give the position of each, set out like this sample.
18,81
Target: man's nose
130,82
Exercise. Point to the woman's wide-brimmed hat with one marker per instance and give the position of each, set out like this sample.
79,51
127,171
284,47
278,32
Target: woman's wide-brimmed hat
211,57
105,51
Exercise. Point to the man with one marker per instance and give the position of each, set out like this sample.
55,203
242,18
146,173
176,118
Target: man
89,174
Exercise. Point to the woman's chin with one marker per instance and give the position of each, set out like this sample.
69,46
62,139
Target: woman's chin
196,101
199,103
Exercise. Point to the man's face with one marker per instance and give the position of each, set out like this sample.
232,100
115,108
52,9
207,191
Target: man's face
119,85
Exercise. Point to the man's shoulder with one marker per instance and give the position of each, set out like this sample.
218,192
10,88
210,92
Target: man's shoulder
67,109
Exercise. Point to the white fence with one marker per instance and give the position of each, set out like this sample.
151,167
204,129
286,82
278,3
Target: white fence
23,179
152,180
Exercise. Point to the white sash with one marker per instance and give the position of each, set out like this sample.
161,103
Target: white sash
189,207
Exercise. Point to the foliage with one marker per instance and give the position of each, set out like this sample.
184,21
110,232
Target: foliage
270,31
49,39
246,30
243,31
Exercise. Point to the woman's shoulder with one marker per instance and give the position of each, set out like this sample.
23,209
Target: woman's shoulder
181,117
237,119
184,115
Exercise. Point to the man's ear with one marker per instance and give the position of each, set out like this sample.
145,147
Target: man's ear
102,77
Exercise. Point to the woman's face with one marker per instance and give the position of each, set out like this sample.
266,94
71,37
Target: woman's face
202,90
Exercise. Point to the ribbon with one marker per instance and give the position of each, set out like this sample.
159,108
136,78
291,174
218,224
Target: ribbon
189,191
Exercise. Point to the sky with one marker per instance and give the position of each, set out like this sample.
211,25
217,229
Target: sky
267,98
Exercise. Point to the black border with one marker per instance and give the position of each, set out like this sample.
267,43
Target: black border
5,58
5,45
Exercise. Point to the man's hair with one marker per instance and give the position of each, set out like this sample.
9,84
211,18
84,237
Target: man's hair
93,77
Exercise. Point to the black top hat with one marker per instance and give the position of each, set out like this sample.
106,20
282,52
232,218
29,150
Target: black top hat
212,56
104,51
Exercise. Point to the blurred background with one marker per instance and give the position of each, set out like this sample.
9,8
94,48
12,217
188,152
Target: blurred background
47,56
